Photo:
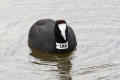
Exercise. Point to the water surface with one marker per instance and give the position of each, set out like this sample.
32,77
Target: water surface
96,24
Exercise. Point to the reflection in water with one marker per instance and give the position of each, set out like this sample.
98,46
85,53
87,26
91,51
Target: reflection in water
62,60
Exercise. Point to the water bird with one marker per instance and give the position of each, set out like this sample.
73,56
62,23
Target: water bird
52,36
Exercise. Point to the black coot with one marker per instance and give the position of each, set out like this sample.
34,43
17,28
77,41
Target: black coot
52,36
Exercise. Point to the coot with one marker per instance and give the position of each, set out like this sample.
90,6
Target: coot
52,36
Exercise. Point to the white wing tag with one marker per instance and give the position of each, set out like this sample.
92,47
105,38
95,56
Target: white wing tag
62,45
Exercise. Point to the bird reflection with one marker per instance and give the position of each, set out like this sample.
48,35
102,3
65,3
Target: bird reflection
62,59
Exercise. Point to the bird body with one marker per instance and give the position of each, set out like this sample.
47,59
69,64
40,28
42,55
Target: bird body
45,35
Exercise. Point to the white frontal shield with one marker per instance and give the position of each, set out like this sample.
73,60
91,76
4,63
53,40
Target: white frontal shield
62,28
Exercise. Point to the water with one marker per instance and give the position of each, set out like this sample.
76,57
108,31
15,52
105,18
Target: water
97,28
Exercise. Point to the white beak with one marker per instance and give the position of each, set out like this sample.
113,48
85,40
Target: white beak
62,28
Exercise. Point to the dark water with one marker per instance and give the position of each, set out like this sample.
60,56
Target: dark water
61,61
96,24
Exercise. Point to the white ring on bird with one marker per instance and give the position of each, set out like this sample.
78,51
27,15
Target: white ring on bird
62,45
